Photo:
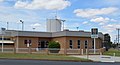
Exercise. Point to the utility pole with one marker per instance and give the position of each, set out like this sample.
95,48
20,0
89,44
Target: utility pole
56,15
7,25
22,24
63,24
118,29
115,41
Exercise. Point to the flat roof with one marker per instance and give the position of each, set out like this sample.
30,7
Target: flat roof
50,34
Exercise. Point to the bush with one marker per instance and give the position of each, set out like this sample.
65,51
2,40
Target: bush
53,44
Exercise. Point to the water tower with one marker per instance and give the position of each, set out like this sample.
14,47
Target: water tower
53,25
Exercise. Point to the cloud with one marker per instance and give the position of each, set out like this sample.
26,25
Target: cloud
102,20
94,12
36,25
111,27
1,0
13,15
73,26
20,4
85,22
43,4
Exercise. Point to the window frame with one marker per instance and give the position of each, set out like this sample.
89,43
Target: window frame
86,44
71,44
78,44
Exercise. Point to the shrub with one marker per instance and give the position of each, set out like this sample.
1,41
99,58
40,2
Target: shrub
53,44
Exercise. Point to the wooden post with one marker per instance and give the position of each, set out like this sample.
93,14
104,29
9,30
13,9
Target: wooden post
47,51
82,51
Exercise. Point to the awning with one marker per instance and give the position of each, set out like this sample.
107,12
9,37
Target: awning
7,41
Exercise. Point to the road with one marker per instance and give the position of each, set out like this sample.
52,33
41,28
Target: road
38,62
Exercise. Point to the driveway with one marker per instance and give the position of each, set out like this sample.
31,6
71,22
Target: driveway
101,58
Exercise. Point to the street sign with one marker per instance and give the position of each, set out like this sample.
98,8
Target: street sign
94,33
94,36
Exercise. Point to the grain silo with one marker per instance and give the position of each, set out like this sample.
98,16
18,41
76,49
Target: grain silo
53,25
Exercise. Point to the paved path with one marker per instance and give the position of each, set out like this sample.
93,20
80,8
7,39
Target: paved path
101,58
37,62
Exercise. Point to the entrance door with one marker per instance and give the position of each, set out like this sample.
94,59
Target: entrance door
42,44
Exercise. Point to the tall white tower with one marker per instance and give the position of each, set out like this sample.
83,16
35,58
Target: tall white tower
53,25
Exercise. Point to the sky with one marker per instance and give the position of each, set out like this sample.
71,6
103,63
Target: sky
85,14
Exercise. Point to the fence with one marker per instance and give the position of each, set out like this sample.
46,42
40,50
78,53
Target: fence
7,50
50,51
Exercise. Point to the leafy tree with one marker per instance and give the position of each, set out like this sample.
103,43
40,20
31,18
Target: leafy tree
107,41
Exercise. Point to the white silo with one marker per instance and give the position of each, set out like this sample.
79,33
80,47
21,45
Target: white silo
53,25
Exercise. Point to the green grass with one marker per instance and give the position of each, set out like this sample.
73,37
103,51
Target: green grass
112,51
40,56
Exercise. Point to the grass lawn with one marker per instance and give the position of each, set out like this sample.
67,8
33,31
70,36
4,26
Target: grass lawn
111,51
40,56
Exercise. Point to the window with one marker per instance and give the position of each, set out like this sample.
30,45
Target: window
86,43
25,41
78,44
43,44
70,43
7,44
5,38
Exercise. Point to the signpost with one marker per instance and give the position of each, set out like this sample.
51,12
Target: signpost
94,35
3,32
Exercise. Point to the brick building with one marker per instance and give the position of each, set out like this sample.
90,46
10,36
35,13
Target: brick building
39,40
67,39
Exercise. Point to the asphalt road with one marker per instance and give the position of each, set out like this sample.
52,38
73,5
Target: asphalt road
38,62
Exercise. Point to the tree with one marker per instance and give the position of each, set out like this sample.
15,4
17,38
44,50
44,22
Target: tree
107,41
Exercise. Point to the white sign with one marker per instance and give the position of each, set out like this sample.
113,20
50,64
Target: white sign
28,44
94,36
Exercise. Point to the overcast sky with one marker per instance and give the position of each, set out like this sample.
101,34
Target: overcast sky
85,14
